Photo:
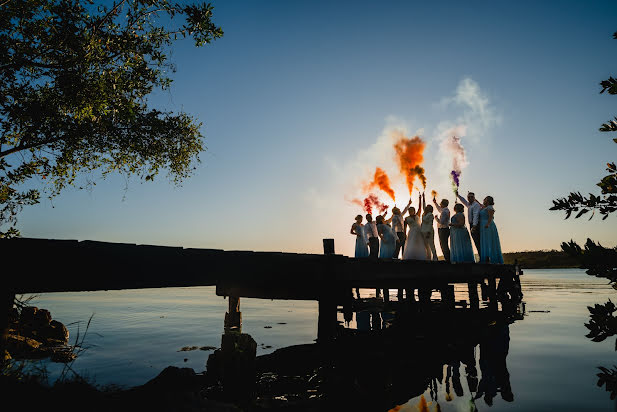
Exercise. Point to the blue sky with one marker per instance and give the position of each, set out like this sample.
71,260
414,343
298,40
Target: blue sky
298,99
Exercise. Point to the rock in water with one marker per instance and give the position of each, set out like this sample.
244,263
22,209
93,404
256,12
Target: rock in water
58,332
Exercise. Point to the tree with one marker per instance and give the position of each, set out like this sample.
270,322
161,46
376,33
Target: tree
598,260
74,84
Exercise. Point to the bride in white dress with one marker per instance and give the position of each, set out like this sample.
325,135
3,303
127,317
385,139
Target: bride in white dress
414,246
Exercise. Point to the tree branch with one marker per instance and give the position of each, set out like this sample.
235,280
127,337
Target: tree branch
33,145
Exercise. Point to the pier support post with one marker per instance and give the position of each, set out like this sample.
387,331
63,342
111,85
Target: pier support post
424,295
326,322
492,292
447,296
328,246
233,317
7,298
474,299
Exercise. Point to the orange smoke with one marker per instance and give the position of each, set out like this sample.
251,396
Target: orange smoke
419,171
409,154
382,181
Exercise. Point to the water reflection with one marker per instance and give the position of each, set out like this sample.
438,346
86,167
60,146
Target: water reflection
469,346
385,355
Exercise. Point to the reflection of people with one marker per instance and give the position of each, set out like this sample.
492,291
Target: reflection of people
490,248
443,228
460,243
414,247
473,216
495,376
388,239
372,235
358,230
428,232
471,373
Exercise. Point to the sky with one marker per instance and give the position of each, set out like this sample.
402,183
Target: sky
299,99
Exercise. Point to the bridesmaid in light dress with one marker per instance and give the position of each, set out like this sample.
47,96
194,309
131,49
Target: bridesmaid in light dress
460,242
358,230
388,239
490,247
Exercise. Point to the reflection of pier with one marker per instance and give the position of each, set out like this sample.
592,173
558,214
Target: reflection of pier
41,265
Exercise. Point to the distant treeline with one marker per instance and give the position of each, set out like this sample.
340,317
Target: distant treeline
541,259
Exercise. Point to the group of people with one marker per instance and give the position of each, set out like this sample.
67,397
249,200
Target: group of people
414,235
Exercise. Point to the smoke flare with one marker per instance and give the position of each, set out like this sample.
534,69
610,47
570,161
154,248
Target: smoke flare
382,181
409,154
371,201
434,193
454,175
453,146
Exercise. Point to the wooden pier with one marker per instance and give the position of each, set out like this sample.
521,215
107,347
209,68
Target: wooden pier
42,265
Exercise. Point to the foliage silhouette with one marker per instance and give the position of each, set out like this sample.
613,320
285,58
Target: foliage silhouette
74,84
598,260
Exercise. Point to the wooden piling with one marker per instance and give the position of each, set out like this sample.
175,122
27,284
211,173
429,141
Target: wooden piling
447,296
233,318
474,299
328,246
492,292
326,322
7,300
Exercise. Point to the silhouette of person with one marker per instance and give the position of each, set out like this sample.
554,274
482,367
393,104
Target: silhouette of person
372,236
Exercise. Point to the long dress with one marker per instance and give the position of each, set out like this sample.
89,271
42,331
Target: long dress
490,248
361,247
460,242
414,246
388,241
428,235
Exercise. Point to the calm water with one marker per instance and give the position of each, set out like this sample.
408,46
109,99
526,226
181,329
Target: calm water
134,334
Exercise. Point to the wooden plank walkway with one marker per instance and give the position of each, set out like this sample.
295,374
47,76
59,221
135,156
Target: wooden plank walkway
43,265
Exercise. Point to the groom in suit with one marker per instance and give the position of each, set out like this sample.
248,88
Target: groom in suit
443,226
372,235
473,216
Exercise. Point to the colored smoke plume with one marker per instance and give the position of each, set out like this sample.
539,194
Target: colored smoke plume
371,202
357,202
453,147
409,155
434,193
382,181
419,171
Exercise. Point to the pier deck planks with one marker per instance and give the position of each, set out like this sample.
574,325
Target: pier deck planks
44,265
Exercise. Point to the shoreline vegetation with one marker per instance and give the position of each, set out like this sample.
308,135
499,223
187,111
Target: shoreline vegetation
542,259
